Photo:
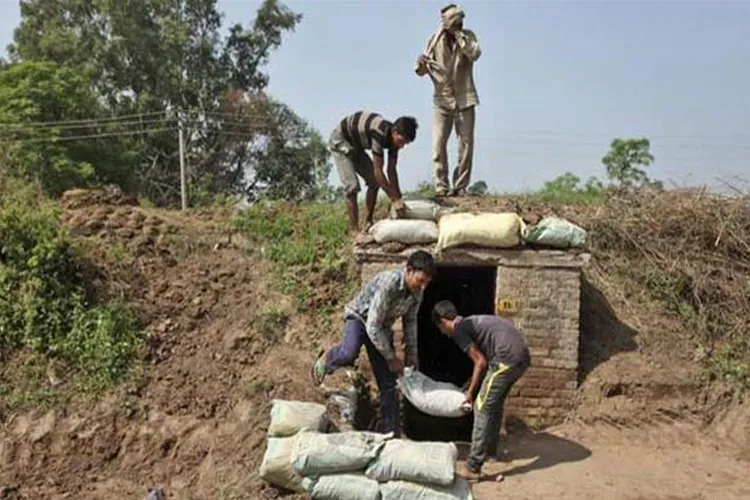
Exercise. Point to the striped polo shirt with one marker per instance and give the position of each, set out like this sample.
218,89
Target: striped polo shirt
368,131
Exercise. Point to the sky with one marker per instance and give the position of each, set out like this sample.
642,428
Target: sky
557,81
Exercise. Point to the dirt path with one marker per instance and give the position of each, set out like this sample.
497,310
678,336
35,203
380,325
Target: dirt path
662,462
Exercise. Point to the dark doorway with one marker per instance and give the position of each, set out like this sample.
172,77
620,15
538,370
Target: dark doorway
472,290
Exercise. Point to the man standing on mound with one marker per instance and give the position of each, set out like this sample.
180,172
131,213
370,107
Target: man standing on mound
368,319
449,61
497,348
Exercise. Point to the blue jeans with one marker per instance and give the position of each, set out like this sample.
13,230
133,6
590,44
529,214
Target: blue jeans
347,352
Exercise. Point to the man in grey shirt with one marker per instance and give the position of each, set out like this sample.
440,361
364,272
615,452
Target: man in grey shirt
496,346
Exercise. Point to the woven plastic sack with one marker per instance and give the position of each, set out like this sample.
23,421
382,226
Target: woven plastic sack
344,487
420,462
555,232
317,454
405,231
493,230
290,417
276,467
421,210
402,490
439,399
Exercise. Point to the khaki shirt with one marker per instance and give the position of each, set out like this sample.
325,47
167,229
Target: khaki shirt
451,70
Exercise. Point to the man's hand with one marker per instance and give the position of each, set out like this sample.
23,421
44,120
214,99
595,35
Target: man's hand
413,361
421,65
396,366
469,401
399,208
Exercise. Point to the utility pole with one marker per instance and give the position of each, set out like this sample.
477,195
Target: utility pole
183,184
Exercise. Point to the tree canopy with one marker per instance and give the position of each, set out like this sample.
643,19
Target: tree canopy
100,88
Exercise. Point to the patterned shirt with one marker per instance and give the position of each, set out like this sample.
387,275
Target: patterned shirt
380,303
367,130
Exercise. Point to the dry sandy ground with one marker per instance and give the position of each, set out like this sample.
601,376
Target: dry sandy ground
670,462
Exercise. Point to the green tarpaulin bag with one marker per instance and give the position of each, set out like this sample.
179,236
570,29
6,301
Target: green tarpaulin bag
555,232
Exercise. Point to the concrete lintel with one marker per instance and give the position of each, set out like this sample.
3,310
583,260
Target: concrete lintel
482,257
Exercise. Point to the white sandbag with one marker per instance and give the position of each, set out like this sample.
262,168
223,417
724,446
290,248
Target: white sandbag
420,462
493,230
276,467
290,417
317,454
421,210
555,232
405,231
402,490
439,399
345,487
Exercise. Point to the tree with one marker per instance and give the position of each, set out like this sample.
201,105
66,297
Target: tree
41,106
623,162
168,62
479,188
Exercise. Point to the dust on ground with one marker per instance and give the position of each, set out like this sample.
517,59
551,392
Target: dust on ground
195,419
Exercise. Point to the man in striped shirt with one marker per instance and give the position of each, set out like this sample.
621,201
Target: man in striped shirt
350,140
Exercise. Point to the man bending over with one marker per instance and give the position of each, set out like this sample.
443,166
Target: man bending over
497,348
368,319
349,142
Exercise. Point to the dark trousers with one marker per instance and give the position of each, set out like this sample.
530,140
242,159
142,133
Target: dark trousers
347,352
488,409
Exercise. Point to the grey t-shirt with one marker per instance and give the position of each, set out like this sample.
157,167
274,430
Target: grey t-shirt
497,338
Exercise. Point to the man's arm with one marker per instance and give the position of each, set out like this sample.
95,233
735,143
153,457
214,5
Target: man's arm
380,178
421,67
480,365
376,330
468,44
392,172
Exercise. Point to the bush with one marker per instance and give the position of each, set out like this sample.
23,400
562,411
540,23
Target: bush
44,306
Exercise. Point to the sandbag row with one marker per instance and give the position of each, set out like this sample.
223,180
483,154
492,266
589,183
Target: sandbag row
488,230
354,464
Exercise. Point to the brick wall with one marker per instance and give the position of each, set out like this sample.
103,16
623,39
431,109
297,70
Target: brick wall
544,302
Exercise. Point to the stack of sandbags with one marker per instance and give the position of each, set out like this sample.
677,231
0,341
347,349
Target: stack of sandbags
333,465
418,470
288,418
354,465
491,230
555,232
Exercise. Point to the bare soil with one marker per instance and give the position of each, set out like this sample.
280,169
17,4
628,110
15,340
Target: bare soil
194,419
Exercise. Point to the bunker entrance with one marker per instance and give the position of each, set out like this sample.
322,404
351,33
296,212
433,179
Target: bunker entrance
472,290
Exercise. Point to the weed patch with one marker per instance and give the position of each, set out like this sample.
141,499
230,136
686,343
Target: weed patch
307,245
44,306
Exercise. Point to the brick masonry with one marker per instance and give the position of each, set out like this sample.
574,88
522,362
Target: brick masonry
544,302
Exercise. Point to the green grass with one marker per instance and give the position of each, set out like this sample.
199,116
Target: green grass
45,308
306,243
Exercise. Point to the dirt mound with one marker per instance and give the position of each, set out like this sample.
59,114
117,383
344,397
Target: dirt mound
222,342
664,298
211,367
78,198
